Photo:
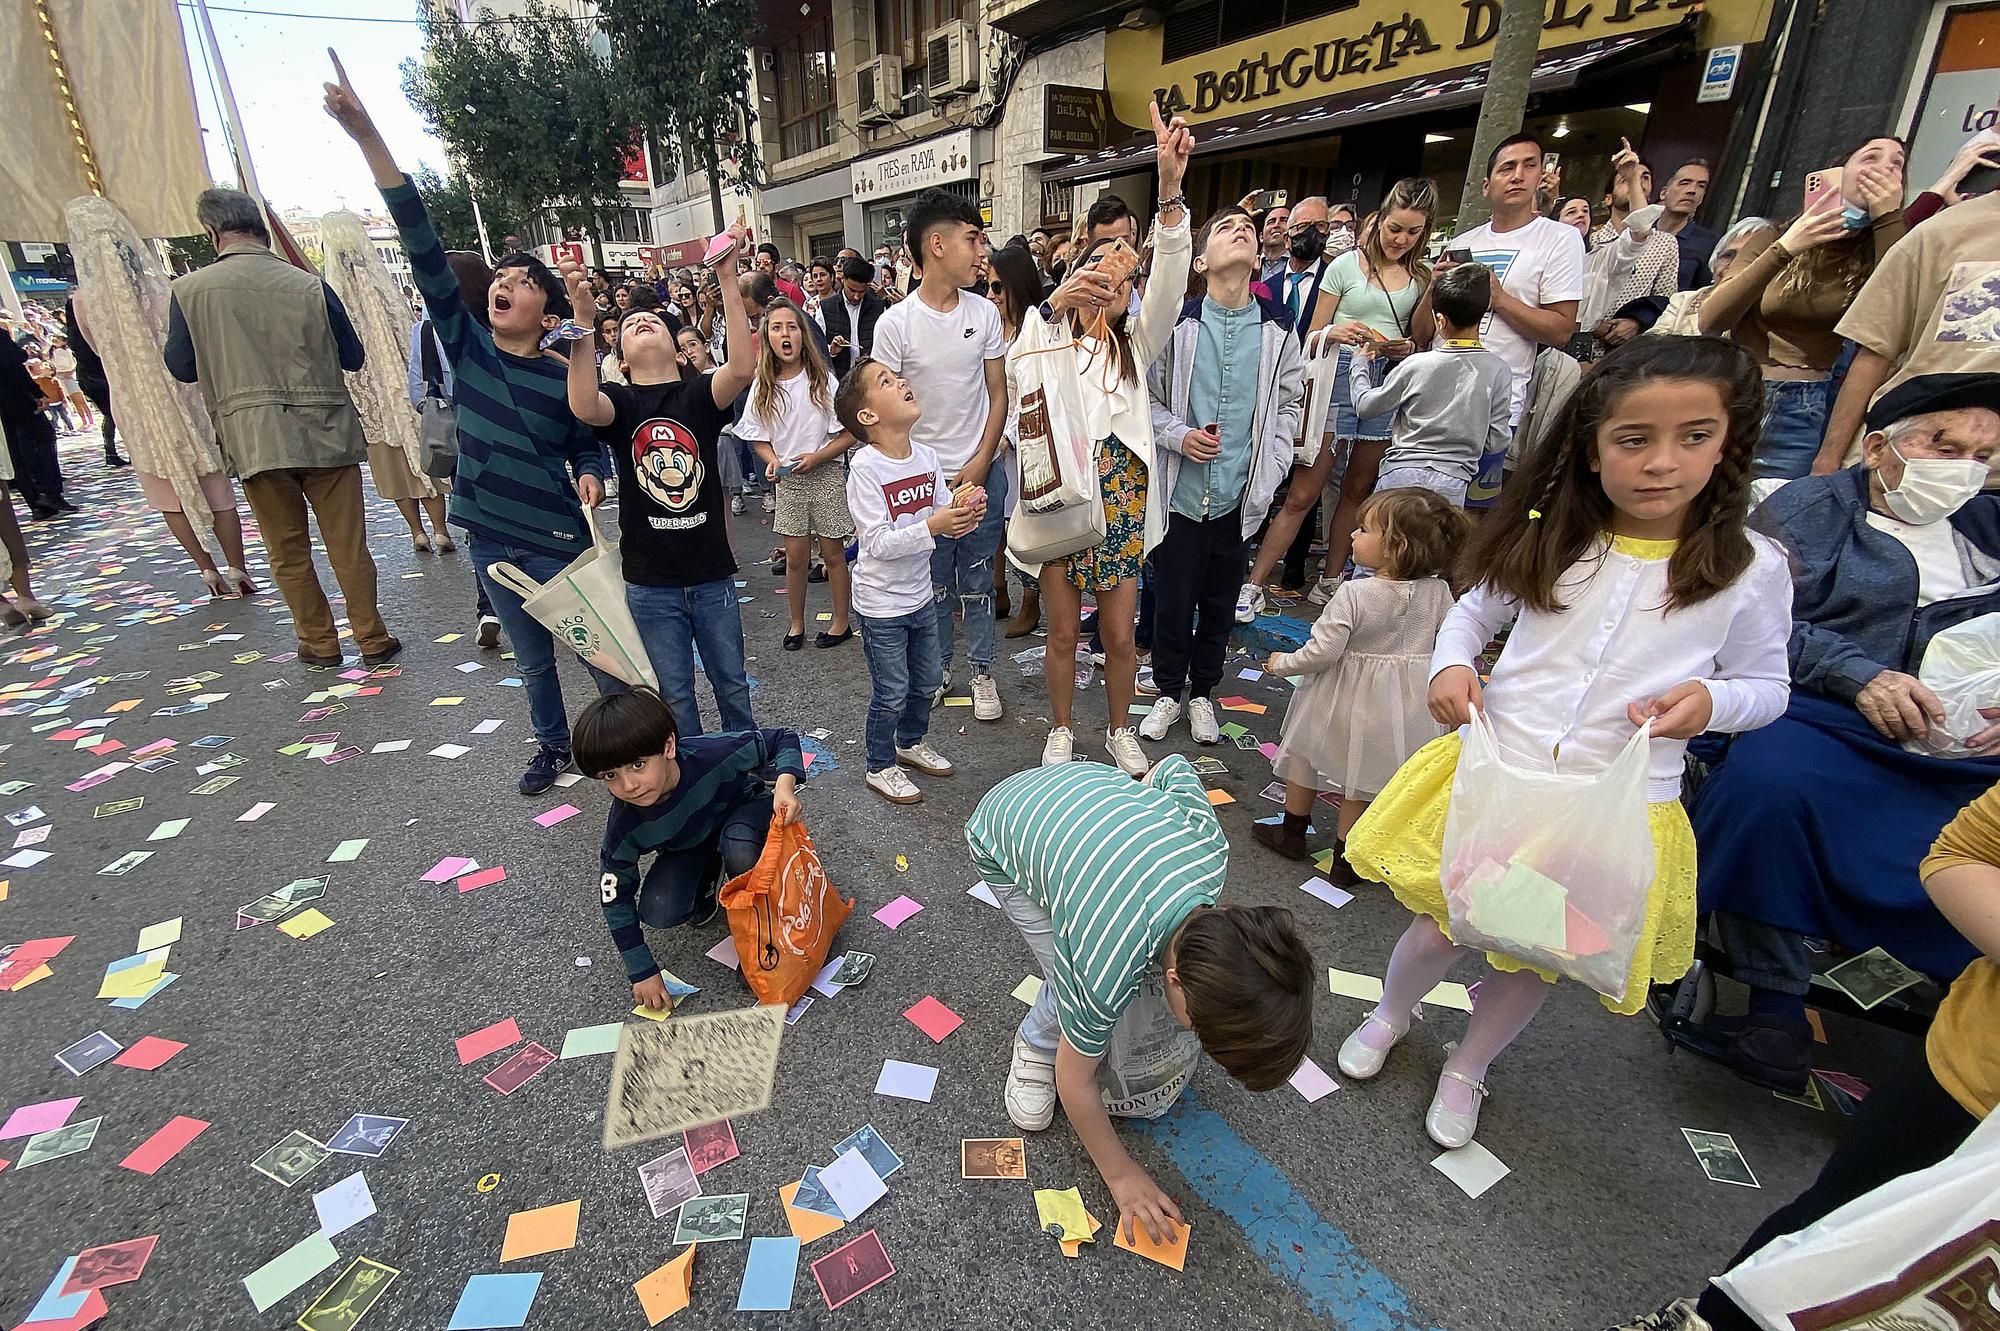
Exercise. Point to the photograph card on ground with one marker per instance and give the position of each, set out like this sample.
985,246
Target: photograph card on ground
709,1145
295,1156
1719,1158
1873,977
519,1070
366,1134
852,1270
712,1219
993,1157
347,1300
668,1180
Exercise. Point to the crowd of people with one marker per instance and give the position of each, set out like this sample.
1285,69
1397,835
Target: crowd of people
1718,496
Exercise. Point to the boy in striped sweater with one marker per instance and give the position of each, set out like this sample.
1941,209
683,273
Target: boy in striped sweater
701,806
518,443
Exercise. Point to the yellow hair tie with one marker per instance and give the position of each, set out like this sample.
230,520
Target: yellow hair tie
1534,513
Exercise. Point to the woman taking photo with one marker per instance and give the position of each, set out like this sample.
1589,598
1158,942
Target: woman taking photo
1786,292
1372,293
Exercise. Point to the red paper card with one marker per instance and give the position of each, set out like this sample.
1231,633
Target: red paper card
148,1053
164,1145
109,1264
934,1019
473,1047
472,882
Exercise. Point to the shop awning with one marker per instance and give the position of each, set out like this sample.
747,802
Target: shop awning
1554,72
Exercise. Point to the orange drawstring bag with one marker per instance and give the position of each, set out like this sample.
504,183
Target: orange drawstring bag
783,915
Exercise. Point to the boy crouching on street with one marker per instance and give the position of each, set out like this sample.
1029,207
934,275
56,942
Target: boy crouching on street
702,807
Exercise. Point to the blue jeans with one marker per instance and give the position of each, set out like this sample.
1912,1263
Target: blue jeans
903,665
673,621
682,883
1794,427
963,566
534,648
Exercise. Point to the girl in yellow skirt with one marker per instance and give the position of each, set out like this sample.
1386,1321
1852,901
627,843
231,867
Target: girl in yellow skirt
1620,556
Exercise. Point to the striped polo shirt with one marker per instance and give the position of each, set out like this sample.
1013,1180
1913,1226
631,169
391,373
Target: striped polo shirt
1117,863
518,441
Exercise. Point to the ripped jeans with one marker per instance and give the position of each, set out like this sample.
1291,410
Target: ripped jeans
964,565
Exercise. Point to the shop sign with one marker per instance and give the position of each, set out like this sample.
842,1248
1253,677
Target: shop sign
1718,76
936,161
1376,43
1075,120
1958,95
618,255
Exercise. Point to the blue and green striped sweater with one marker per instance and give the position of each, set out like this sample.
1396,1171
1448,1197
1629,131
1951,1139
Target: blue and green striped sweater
515,429
719,773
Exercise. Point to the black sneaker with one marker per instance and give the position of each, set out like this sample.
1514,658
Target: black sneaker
321,662
548,764
383,655
817,573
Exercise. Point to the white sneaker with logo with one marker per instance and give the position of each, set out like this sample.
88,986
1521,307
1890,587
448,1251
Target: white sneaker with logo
925,759
1161,719
1123,746
1322,591
1059,748
892,785
1031,1087
985,698
1201,721
1249,603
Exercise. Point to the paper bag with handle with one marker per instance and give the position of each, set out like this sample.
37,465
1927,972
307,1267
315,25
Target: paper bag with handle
783,915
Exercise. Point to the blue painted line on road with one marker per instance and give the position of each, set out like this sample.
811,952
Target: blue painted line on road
1338,1283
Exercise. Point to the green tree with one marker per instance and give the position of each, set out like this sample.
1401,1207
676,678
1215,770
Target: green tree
528,106
681,67
448,200
1504,105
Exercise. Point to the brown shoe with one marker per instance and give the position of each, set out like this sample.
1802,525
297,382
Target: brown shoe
1292,845
1028,616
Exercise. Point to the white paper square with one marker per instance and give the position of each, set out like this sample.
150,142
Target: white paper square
1312,1082
1327,892
853,1184
725,952
450,751
344,1205
984,893
1472,1167
906,1081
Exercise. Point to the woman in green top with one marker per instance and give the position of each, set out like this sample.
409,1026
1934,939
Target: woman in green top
1375,292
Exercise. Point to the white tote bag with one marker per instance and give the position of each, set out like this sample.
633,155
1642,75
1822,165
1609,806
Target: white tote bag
584,607
1551,867
1316,416
1059,508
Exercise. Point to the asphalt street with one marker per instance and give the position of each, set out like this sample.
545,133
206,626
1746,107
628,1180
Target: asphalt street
1302,1214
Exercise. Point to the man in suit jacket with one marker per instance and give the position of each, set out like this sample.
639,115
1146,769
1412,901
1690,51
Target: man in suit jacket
849,312
1295,283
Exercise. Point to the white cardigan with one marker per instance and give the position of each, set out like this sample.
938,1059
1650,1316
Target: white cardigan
1126,411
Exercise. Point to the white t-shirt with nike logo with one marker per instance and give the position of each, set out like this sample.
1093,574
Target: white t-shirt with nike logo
942,355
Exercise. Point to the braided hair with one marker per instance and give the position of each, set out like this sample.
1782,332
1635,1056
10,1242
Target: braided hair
1553,512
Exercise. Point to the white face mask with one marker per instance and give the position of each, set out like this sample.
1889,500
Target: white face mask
1933,488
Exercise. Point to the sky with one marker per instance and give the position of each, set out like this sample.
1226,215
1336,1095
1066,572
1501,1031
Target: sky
277,64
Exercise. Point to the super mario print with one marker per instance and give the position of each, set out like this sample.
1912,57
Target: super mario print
667,459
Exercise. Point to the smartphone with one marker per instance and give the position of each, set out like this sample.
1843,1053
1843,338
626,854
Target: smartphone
1550,161
1269,199
1821,185
1458,255
1116,261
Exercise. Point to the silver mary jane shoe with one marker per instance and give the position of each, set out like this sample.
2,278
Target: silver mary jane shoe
1447,1126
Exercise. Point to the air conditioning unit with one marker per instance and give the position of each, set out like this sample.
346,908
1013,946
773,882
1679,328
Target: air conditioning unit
951,60
880,85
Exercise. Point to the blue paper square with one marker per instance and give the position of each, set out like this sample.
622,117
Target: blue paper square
495,1301
769,1275
54,1307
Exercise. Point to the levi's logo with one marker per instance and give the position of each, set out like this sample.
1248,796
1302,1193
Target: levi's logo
910,495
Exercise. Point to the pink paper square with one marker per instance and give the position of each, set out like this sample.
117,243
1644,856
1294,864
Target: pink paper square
560,813
164,1145
472,882
148,1052
451,866
473,1047
902,908
31,1119
934,1019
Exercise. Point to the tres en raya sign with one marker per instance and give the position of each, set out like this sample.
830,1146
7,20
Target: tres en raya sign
1401,43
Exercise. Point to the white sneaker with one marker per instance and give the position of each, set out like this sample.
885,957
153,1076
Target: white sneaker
736,503
770,501
1161,719
893,786
922,757
1123,746
489,630
1201,721
944,687
1322,591
1031,1087
985,698
1249,603
1059,748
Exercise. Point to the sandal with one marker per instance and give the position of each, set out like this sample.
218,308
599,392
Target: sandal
834,639
794,641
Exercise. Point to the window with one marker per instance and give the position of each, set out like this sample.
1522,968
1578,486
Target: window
900,25
807,92
1215,22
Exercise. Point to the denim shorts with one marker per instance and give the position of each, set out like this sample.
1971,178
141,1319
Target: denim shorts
1346,424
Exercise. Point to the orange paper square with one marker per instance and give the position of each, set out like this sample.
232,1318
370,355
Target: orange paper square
664,1292
806,1225
545,1229
1171,1253
1220,797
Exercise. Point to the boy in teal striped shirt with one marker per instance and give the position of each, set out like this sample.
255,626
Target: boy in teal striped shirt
1113,884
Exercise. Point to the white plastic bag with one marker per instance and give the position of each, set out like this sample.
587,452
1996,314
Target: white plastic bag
1551,867
1962,667
1150,1059
584,607
1916,1254
1316,415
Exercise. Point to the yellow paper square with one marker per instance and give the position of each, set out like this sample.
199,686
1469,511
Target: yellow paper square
38,973
306,923
1029,990
133,980
446,702
452,637
1447,994
1349,985
1063,1209
545,1229
664,1292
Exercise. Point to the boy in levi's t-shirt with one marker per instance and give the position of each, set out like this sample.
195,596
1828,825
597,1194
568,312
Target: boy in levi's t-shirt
902,504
